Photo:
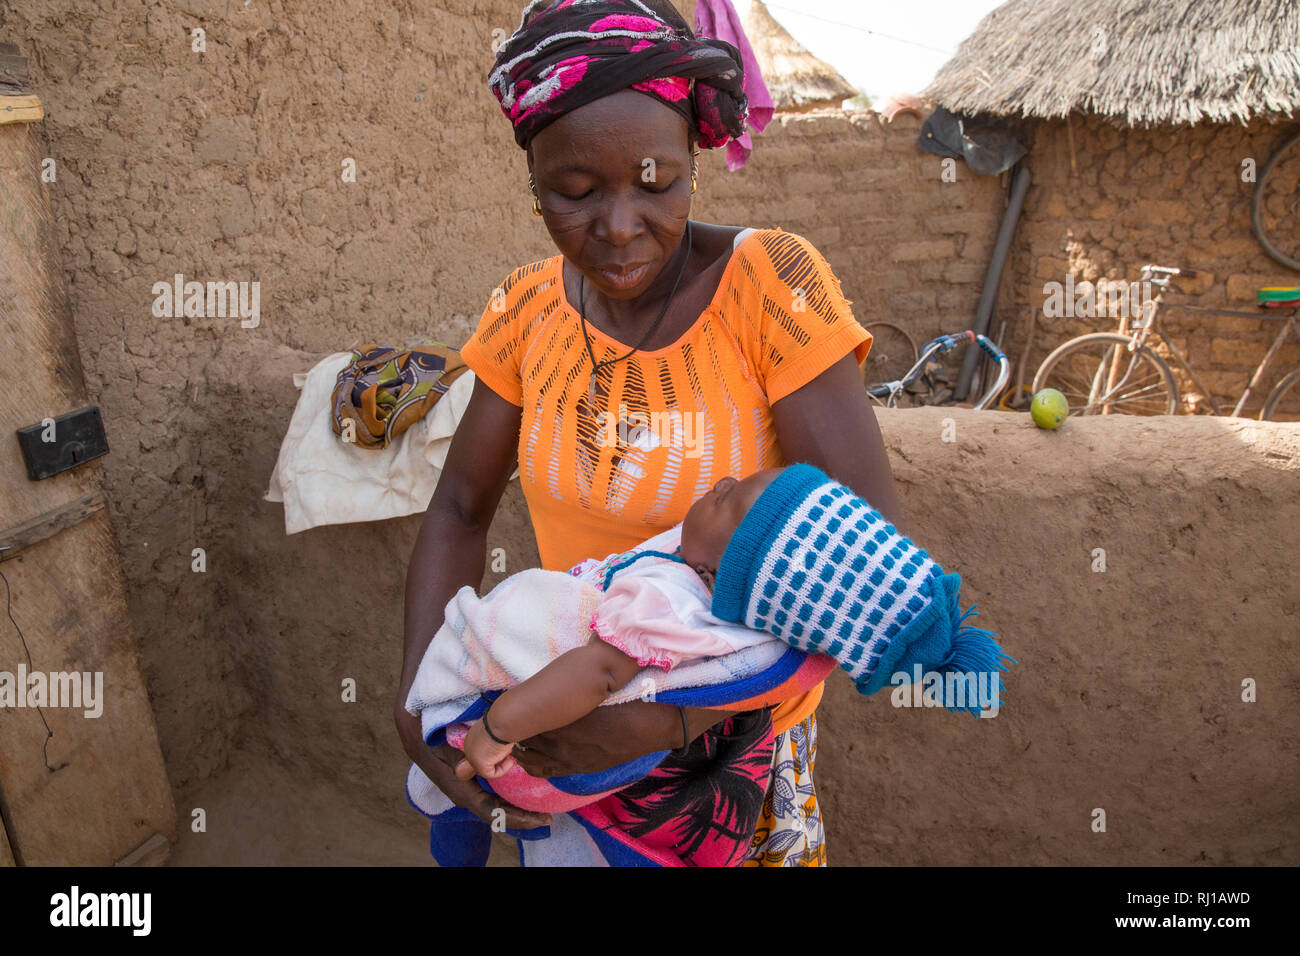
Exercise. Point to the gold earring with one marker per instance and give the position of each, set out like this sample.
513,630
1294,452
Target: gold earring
537,200
694,184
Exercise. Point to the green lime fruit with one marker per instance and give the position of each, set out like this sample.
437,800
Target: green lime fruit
1049,408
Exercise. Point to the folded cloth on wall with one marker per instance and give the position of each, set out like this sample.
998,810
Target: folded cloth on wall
718,19
385,390
323,480
488,644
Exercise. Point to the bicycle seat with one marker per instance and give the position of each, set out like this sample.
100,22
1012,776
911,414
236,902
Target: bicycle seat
1276,296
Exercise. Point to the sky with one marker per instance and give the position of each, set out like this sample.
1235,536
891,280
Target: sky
880,46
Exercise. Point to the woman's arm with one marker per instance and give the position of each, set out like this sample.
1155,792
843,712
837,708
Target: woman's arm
571,686
609,736
450,552
830,423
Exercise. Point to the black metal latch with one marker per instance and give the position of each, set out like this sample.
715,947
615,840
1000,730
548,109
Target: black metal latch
63,443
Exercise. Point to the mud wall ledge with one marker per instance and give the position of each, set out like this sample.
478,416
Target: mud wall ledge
1128,692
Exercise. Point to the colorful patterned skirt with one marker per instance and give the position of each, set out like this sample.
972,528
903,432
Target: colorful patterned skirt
737,797
789,831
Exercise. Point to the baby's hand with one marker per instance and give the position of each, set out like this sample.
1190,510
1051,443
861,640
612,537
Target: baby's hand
484,756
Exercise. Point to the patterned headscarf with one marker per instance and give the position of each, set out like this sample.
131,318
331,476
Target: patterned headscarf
568,53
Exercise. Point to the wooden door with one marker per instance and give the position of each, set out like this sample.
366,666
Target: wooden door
74,789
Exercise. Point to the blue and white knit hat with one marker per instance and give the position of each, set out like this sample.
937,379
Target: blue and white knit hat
818,567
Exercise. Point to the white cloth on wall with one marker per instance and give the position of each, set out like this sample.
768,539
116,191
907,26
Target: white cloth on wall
323,480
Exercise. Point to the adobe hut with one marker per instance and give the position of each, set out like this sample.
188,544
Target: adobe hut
798,81
1146,124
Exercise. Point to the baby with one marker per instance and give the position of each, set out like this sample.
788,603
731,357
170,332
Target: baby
790,554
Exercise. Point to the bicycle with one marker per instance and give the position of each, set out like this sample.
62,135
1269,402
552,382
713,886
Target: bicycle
1119,373
887,393
892,352
1273,207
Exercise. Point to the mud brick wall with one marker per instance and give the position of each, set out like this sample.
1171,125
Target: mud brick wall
1173,196
225,166
908,246
1128,694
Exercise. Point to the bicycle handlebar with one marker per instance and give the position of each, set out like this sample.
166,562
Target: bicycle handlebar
1170,271
946,343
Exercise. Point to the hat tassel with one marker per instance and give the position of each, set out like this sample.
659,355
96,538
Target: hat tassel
974,651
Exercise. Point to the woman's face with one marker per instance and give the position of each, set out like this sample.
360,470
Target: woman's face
614,179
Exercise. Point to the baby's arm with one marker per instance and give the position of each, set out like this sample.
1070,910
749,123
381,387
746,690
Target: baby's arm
571,686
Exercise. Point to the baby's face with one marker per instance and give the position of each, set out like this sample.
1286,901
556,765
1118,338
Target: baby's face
711,521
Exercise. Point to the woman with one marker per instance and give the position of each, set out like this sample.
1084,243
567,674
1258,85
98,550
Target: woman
626,376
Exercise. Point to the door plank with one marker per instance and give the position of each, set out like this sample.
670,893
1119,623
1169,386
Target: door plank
108,791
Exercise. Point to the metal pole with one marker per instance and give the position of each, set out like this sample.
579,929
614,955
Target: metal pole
989,296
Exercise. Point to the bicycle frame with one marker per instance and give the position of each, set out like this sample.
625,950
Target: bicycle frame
946,343
1160,277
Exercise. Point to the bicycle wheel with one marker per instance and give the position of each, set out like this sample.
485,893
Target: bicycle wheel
892,353
1141,383
1283,404
1273,211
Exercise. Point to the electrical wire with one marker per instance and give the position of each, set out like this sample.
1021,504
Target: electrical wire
1000,68
49,734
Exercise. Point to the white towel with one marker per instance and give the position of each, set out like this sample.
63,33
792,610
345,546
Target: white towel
534,616
323,480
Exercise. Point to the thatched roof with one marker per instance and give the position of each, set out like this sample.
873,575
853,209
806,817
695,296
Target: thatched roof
797,80
1141,61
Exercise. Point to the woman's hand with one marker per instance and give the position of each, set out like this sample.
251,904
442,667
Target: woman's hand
450,553
609,736
439,764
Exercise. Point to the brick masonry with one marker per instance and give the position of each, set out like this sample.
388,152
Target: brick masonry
1175,196
908,245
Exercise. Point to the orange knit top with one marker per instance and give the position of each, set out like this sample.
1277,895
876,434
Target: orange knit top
667,424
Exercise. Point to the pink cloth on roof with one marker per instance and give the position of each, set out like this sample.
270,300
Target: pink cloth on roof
718,19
